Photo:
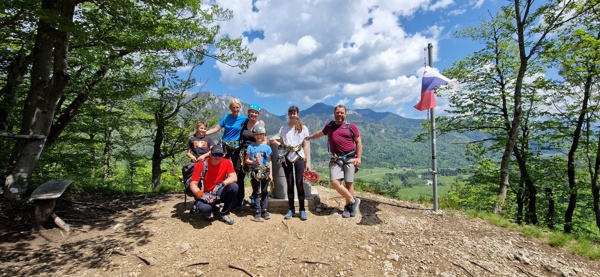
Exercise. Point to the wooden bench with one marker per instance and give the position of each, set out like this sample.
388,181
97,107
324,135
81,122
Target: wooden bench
44,199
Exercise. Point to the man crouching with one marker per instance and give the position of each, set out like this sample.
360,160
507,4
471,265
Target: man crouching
219,186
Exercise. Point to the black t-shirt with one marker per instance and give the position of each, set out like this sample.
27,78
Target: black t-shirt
246,136
200,146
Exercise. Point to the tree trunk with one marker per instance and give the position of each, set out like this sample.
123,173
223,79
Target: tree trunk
571,157
48,80
106,154
520,193
65,118
551,208
596,185
157,156
531,215
73,109
92,158
15,72
510,145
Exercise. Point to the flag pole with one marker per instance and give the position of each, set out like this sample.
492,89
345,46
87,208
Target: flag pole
433,142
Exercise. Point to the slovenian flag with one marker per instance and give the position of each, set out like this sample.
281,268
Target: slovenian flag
431,79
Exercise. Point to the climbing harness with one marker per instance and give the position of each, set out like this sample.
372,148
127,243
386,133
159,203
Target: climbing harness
260,173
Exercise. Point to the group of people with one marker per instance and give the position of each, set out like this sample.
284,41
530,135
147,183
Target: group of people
220,169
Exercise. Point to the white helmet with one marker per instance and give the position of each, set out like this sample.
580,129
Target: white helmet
258,129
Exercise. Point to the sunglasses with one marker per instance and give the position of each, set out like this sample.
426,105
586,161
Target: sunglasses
217,155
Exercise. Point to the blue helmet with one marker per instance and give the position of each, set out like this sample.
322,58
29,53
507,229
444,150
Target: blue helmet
255,107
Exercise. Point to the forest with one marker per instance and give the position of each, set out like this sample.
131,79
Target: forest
90,92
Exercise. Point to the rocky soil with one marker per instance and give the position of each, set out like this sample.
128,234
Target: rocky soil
139,236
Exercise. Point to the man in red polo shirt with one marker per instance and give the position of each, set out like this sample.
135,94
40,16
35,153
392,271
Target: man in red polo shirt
219,185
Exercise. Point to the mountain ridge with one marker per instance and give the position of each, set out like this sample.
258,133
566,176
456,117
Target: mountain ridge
388,139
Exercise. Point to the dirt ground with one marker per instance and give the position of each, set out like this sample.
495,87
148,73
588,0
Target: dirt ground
157,236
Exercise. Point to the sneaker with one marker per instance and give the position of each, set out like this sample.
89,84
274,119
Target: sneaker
257,217
289,214
303,215
209,218
346,212
354,207
266,215
228,219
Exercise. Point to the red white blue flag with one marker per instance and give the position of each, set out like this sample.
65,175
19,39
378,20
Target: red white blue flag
431,79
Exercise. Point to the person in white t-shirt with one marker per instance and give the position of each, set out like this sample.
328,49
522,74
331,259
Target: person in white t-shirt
296,148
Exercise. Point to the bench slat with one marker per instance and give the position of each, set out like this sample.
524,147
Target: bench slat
50,190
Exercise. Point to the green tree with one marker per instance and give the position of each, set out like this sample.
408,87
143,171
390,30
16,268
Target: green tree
174,110
513,40
87,40
532,29
575,52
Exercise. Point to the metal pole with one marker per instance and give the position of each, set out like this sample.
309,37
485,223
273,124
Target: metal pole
433,150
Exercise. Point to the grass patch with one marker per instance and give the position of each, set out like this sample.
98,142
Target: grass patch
532,231
581,246
559,239
493,219
585,248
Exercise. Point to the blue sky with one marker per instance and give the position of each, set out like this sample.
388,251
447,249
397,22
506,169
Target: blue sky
360,53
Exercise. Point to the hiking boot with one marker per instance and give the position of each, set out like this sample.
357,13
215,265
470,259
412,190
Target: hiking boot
346,212
354,207
289,214
228,219
239,205
194,209
266,215
257,217
216,211
303,215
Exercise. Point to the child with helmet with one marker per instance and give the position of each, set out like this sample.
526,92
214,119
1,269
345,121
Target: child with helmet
258,157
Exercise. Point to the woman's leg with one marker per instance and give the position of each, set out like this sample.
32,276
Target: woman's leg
299,167
288,169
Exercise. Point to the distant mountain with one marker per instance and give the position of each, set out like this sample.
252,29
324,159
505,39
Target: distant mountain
388,139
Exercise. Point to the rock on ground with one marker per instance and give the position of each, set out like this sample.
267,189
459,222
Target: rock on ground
138,236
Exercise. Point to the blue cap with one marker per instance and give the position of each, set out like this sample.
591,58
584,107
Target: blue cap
255,107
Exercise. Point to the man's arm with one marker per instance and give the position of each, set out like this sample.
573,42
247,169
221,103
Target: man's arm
315,135
306,149
194,187
231,178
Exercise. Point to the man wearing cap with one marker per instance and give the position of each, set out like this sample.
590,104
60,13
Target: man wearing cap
219,186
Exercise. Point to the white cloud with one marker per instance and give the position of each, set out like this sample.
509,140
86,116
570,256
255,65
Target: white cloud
316,50
441,4
478,3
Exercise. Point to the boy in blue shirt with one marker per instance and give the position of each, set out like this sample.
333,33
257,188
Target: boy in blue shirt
258,157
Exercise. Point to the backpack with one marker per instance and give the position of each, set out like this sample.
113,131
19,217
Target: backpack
187,172
347,126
